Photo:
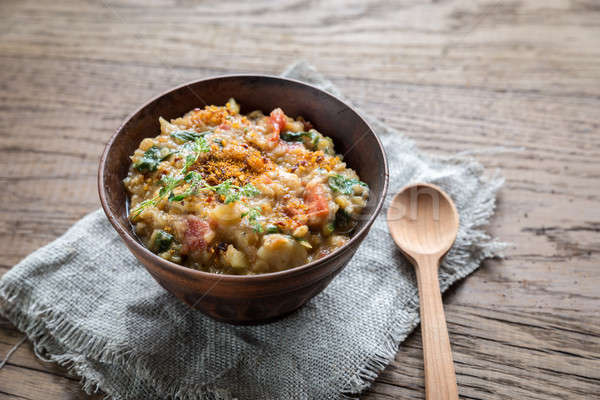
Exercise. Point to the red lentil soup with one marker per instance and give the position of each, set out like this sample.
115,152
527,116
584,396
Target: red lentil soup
223,192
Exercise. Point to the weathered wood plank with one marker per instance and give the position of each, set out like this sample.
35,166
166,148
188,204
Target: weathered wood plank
451,42
30,384
517,355
23,357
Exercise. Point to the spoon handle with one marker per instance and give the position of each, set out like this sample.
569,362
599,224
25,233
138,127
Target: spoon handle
440,378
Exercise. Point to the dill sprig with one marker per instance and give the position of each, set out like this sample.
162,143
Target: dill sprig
253,214
226,189
169,183
183,136
192,151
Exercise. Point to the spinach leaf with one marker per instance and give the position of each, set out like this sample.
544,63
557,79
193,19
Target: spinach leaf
343,221
188,135
161,241
290,136
151,158
344,185
312,136
272,228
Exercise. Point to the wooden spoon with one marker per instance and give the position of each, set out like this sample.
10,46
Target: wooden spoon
423,222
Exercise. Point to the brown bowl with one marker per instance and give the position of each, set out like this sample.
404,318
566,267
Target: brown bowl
246,299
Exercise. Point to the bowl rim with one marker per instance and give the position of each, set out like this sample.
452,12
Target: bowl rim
192,273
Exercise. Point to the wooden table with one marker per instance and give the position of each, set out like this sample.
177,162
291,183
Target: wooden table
455,76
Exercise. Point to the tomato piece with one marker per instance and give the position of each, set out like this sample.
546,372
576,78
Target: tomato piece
277,119
292,210
315,198
307,125
194,237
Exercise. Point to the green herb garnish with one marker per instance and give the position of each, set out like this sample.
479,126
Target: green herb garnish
191,151
194,179
151,158
187,135
233,193
169,183
253,215
144,204
230,191
344,185
272,228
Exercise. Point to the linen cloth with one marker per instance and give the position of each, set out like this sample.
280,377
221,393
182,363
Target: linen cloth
87,303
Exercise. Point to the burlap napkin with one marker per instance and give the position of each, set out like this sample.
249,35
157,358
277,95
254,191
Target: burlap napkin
86,303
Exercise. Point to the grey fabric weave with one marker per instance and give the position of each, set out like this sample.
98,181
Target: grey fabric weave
86,303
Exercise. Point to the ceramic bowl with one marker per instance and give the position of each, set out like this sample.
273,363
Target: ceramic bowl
246,299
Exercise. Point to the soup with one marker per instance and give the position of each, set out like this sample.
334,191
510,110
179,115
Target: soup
223,192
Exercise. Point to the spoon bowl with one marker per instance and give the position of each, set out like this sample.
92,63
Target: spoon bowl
423,222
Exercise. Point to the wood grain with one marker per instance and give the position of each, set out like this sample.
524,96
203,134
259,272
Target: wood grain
454,76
